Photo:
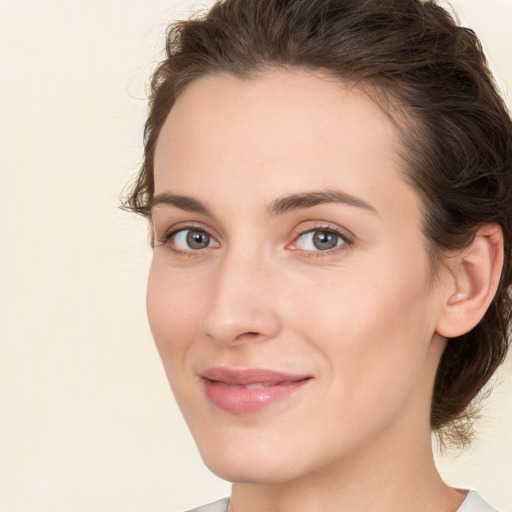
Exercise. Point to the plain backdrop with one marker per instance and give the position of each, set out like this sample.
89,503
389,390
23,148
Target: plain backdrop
87,422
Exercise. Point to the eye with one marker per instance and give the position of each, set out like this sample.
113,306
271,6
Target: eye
186,240
319,240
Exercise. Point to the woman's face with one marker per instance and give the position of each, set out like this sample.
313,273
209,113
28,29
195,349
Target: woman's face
290,294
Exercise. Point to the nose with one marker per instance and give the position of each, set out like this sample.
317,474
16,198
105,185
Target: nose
242,302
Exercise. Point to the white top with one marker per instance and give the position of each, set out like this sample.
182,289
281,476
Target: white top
472,503
475,503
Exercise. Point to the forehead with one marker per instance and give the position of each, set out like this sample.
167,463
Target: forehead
294,129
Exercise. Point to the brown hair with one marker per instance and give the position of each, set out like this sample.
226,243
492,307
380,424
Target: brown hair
457,133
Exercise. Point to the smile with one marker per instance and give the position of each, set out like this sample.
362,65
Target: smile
246,391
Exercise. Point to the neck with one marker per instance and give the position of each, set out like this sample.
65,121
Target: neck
390,475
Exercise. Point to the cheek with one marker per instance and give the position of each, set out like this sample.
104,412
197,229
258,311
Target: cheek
371,328
173,310
357,300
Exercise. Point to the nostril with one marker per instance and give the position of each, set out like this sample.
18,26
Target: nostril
249,336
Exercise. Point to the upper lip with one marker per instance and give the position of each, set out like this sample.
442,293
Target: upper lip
245,377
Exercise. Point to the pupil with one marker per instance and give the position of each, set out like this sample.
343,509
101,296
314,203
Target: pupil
324,240
197,239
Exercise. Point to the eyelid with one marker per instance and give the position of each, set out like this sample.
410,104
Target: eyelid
164,239
346,237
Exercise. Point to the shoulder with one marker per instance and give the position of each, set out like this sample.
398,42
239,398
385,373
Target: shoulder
475,503
217,506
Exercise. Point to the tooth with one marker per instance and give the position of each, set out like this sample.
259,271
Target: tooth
231,386
254,386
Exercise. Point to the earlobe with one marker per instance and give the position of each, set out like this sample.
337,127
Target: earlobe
475,275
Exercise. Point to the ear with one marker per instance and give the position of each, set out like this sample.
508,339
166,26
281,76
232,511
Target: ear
475,275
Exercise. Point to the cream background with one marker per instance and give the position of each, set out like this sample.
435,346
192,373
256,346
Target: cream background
87,422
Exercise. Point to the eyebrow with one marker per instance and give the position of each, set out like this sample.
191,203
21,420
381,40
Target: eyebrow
185,203
279,206
314,198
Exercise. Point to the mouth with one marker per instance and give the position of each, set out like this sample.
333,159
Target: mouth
250,390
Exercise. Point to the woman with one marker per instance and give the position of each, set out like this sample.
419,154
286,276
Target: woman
329,185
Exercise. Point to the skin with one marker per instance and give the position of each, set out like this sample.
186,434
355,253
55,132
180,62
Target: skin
361,319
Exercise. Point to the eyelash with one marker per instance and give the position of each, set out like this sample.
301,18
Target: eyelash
346,240
190,253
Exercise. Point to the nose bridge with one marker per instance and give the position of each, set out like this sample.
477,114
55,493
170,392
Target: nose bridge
240,307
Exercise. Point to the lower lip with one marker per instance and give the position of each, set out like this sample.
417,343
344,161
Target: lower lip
246,400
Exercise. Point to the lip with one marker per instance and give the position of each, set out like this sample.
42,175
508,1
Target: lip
249,390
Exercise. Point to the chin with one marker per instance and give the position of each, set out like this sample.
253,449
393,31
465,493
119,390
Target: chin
250,471
250,464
